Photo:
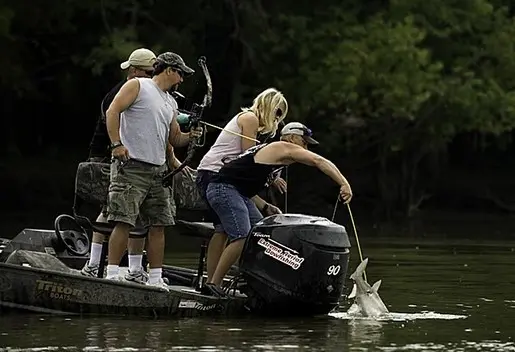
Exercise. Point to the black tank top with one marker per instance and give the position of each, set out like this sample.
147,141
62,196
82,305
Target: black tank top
247,176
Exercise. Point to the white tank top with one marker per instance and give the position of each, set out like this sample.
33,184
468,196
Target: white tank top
227,145
145,125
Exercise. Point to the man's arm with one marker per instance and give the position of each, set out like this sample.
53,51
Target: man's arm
125,97
264,206
298,154
173,162
260,202
177,138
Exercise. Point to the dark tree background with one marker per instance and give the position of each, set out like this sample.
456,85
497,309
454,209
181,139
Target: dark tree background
414,100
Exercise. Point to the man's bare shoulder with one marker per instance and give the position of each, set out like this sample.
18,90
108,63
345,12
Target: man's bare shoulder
282,148
283,145
131,84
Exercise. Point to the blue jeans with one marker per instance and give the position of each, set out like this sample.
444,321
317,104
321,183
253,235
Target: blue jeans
203,179
237,213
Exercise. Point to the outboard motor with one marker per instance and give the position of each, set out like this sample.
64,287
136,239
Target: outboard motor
295,264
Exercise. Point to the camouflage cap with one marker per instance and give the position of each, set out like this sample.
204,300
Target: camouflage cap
174,60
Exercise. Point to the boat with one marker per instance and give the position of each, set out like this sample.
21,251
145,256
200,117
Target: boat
291,264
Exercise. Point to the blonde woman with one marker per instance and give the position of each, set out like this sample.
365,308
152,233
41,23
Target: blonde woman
263,117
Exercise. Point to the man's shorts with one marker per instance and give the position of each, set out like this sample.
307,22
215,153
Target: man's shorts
136,189
237,213
102,217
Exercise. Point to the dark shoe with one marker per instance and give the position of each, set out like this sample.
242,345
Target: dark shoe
210,289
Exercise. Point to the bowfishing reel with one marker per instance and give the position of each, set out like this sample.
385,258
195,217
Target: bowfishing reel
191,119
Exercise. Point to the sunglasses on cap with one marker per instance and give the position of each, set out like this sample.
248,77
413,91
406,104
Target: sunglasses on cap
307,131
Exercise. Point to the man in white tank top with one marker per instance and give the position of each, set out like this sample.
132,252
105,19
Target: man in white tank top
141,121
139,64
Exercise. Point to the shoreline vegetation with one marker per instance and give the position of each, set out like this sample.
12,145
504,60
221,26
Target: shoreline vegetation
41,188
413,100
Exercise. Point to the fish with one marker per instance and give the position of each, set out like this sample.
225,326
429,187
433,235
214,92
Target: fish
367,302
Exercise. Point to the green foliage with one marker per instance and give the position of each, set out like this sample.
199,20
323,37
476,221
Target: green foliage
391,79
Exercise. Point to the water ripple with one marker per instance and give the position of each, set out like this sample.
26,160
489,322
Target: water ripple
401,316
458,347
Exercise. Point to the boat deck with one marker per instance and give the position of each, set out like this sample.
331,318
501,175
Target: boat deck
65,290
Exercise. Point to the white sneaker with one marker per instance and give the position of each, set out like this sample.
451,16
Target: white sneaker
160,284
115,278
91,271
139,276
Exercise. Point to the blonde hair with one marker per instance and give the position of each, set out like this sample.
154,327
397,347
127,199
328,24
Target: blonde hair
265,107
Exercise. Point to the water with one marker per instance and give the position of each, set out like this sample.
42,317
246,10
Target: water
442,295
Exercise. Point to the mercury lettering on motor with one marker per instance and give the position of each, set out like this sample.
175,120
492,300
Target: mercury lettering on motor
286,256
57,290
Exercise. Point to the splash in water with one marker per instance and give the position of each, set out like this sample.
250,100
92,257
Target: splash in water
399,316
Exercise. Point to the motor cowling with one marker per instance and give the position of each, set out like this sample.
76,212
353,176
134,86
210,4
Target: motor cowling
295,264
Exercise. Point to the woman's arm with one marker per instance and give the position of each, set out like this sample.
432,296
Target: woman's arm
249,124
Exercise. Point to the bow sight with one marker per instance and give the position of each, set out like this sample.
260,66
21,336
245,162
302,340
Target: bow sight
194,117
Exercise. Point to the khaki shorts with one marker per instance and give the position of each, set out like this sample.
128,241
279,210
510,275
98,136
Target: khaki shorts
102,217
136,190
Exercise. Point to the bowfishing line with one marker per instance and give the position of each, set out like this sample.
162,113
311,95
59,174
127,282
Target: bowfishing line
353,227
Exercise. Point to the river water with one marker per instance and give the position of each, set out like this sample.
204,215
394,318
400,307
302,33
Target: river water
443,295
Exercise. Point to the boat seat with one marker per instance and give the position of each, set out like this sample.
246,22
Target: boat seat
196,228
203,230
107,228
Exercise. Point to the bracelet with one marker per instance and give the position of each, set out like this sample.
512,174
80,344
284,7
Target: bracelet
265,208
115,145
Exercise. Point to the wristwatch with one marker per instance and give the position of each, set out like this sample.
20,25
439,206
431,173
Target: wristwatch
115,145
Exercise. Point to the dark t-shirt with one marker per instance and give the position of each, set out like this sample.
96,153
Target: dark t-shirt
247,176
99,146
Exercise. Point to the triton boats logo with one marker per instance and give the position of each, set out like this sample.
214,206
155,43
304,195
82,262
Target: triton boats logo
57,290
287,255
5,283
196,305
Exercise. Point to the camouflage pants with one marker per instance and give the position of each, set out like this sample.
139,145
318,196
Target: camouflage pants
136,190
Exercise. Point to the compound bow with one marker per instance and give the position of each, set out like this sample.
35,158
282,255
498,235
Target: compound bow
195,117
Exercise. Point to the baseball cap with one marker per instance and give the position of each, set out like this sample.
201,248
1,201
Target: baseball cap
175,61
300,130
140,58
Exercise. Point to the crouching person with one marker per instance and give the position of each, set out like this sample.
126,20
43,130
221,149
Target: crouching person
232,193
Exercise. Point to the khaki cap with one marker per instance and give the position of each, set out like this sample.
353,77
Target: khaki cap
142,57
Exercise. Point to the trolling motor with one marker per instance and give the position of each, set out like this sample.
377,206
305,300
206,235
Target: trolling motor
192,119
